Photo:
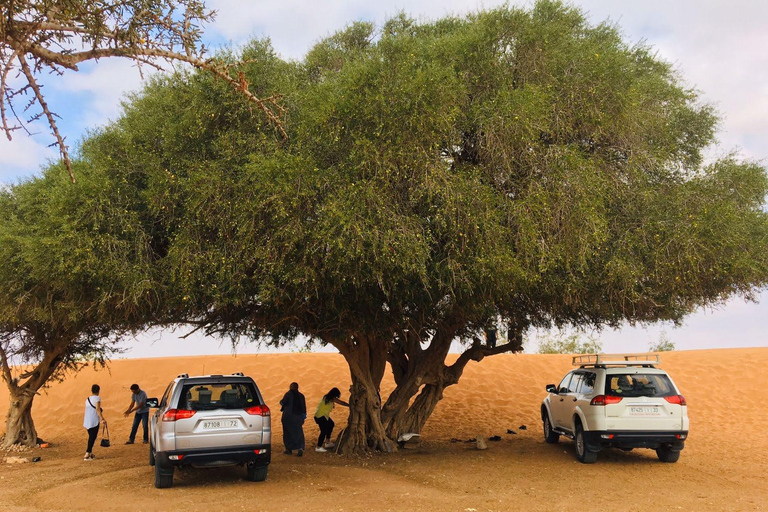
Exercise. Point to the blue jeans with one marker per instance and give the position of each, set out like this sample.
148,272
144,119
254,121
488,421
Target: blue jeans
143,418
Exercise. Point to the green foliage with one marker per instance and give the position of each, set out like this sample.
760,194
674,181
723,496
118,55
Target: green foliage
663,344
513,163
569,344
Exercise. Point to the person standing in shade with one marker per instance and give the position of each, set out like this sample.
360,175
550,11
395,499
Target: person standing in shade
138,404
294,408
323,418
94,417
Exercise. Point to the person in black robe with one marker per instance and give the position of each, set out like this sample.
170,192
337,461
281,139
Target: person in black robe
294,409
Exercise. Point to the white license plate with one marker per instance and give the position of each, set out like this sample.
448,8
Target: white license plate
217,424
648,410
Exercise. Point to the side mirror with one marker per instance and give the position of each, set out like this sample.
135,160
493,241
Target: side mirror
551,388
153,402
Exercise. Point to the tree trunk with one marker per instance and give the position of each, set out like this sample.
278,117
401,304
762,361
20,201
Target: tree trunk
364,431
19,427
422,408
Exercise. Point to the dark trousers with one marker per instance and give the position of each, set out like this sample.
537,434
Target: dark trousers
326,428
144,419
92,433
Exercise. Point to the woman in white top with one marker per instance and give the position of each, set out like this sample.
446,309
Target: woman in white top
92,419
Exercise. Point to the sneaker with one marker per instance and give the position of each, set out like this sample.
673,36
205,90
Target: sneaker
320,449
300,453
329,446
129,442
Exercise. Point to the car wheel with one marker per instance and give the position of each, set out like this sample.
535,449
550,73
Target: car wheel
666,454
550,435
257,473
151,455
584,454
163,477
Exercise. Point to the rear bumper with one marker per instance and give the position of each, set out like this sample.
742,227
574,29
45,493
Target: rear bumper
675,440
259,455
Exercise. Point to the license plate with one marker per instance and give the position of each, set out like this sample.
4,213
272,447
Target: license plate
217,424
649,410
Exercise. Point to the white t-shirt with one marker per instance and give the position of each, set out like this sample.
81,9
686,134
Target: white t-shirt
91,418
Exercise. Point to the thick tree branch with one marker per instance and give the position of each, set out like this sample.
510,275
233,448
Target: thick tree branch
38,35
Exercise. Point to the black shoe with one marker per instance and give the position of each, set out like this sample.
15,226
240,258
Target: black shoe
129,442
288,452
300,453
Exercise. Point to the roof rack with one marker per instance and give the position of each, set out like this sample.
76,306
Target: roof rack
645,360
182,376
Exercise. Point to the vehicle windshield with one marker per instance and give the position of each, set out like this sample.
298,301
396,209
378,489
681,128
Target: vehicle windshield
638,384
207,397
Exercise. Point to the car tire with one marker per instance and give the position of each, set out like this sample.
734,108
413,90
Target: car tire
550,435
151,455
666,454
257,473
584,454
163,477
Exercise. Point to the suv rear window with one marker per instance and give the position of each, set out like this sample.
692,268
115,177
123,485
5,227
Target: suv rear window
207,397
638,384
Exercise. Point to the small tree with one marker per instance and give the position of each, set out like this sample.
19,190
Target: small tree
74,279
50,36
664,344
569,344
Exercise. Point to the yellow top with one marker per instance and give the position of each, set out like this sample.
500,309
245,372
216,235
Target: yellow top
324,409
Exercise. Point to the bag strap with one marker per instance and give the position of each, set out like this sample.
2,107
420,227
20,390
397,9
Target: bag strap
104,430
89,402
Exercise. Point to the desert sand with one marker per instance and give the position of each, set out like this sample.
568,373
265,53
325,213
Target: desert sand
723,466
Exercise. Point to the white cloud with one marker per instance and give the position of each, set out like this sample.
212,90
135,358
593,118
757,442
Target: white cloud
99,87
23,156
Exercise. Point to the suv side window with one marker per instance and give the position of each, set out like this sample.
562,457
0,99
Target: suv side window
563,386
576,381
166,395
588,383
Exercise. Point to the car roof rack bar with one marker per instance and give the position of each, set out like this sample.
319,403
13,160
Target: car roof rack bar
646,360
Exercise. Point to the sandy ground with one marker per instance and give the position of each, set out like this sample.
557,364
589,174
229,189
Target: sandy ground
723,466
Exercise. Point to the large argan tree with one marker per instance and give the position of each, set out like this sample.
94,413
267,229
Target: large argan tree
75,277
509,169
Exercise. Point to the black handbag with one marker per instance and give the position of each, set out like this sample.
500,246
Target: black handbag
104,436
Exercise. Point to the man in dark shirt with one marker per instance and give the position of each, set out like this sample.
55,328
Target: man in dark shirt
138,404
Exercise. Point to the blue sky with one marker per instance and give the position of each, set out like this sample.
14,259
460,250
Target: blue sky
718,47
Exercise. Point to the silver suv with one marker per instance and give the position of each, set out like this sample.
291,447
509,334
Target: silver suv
621,401
210,421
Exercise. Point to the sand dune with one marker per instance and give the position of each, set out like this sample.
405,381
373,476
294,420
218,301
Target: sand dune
721,468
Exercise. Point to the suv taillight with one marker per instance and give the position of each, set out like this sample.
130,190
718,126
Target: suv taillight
177,414
605,400
676,399
258,410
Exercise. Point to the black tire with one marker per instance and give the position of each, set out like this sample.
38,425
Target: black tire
584,454
666,454
550,435
163,477
151,455
257,473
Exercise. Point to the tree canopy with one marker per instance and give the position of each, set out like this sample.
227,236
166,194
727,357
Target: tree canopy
76,277
509,169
